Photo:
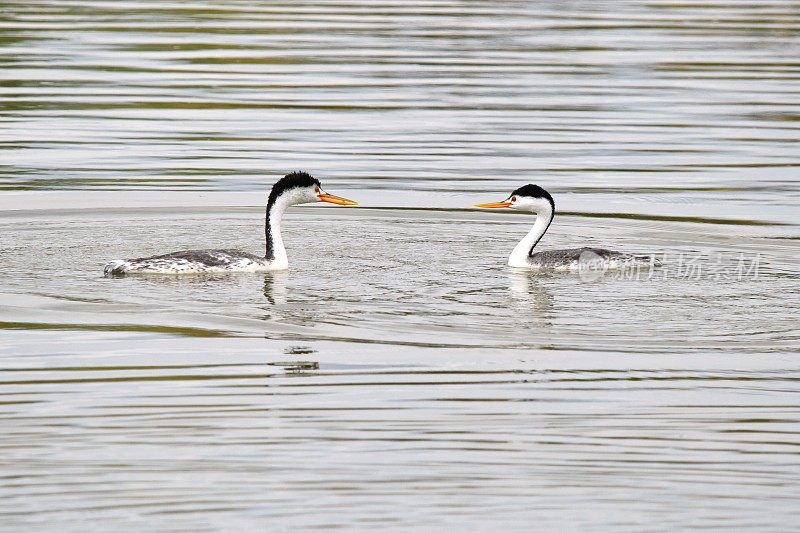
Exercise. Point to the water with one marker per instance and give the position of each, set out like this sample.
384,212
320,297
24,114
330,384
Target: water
399,375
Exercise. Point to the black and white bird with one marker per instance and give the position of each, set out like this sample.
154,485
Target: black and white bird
534,199
292,189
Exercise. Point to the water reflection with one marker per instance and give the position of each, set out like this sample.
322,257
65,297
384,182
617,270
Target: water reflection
275,287
296,368
531,298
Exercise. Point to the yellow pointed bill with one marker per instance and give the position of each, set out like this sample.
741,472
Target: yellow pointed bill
338,200
494,205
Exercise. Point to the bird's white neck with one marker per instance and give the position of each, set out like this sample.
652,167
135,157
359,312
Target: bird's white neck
276,252
523,250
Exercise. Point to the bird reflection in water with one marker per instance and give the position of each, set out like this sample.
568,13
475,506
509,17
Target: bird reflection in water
531,299
296,368
275,287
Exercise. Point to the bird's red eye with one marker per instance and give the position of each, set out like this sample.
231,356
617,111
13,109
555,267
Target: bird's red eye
513,198
316,189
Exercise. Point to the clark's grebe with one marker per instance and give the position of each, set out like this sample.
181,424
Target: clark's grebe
534,199
294,188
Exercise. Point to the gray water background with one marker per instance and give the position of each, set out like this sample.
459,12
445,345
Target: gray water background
400,376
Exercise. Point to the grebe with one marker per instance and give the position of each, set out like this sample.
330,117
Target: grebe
534,199
294,188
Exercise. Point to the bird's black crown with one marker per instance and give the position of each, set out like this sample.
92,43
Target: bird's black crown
296,179
534,191
291,181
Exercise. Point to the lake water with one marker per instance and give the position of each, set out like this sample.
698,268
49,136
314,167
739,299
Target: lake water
399,375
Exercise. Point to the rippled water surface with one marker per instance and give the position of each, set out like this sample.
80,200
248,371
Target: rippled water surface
399,375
